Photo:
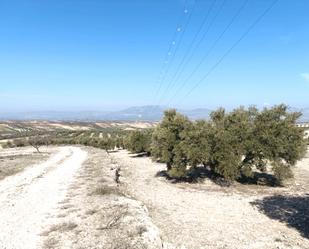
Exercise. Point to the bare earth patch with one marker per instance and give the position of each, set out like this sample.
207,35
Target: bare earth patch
27,197
13,161
205,215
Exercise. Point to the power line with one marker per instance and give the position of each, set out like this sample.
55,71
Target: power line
234,18
184,63
191,44
177,47
252,26
170,48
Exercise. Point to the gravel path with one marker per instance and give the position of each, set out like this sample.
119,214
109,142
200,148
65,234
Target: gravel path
209,217
28,197
96,214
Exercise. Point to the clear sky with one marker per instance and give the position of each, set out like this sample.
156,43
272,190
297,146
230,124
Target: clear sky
111,54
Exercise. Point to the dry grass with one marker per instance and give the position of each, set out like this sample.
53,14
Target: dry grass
50,243
61,227
67,206
106,190
115,217
13,164
91,212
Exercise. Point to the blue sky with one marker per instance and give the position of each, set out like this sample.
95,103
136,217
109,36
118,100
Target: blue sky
109,54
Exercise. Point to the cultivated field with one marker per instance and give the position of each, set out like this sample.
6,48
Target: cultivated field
12,129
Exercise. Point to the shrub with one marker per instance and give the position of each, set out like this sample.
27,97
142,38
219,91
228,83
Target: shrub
20,142
8,144
36,142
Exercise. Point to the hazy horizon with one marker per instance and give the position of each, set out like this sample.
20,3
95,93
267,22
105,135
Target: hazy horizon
116,109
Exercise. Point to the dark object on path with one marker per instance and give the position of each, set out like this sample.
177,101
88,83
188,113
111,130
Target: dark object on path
117,175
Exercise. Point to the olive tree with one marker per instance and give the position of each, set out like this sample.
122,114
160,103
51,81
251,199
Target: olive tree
166,142
246,140
139,141
196,142
107,143
278,140
223,148
233,144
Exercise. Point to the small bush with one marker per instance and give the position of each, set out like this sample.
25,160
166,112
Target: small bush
20,142
8,144
106,190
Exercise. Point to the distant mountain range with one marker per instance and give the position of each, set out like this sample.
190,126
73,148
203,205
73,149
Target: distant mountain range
137,113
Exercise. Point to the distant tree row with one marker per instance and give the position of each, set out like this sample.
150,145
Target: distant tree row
109,139
232,145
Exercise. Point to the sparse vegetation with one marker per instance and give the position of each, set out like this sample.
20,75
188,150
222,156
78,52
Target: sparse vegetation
37,141
106,190
115,217
11,165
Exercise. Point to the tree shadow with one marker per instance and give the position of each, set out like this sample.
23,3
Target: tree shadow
196,175
137,155
291,210
112,151
260,178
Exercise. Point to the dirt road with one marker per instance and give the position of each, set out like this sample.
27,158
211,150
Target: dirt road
28,197
69,200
